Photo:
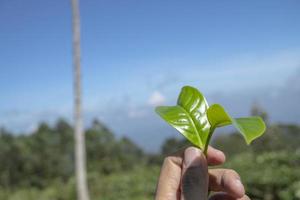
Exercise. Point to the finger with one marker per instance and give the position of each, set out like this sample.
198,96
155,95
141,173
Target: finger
215,156
194,182
224,196
226,180
169,180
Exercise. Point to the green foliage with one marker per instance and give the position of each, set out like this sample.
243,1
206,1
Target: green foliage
40,165
232,144
47,154
36,158
189,116
138,183
249,127
277,178
194,119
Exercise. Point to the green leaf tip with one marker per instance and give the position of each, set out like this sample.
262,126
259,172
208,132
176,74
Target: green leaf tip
195,120
250,127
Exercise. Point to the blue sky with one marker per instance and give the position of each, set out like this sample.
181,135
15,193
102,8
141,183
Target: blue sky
136,54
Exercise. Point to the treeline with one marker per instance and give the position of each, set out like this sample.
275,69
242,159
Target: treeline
40,165
47,154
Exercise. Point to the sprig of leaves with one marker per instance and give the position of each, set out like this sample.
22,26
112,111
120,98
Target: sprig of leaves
194,119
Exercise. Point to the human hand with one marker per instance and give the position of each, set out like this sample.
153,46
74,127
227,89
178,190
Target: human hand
185,176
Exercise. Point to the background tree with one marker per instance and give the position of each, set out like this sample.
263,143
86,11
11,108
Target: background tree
80,157
40,164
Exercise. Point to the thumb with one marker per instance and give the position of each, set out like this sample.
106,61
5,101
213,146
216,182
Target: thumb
194,178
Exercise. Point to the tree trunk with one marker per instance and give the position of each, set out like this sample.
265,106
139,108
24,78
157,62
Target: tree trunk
80,152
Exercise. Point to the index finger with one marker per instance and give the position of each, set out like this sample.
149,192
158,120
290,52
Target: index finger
169,179
215,156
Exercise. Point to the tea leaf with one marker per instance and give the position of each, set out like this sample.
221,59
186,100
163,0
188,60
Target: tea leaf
196,105
217,116
194,119
182,121
250,127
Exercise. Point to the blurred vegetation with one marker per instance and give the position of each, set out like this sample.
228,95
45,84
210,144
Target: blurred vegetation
40,165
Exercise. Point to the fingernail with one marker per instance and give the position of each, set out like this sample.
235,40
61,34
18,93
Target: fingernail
192,157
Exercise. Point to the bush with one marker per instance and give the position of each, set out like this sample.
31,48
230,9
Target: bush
270,175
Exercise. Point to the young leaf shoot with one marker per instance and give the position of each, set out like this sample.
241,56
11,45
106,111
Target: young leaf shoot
194,119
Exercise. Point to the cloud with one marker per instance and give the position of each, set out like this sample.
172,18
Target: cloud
240,71
281,103
272,81
156,99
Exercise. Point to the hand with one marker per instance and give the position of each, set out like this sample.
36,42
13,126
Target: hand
185,176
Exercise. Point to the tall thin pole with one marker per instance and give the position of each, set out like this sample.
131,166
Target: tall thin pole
80,151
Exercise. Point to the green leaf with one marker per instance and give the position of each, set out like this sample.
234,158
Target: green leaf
181,120
194,103
193,118
250,127
217,116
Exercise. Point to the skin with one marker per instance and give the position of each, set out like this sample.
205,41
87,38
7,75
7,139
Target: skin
185,176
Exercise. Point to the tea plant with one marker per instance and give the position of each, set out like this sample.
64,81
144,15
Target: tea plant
197,121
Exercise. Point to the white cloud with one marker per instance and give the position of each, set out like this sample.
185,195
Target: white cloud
272,81
238,72
156,99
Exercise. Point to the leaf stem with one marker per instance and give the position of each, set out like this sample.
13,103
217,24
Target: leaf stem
211,131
